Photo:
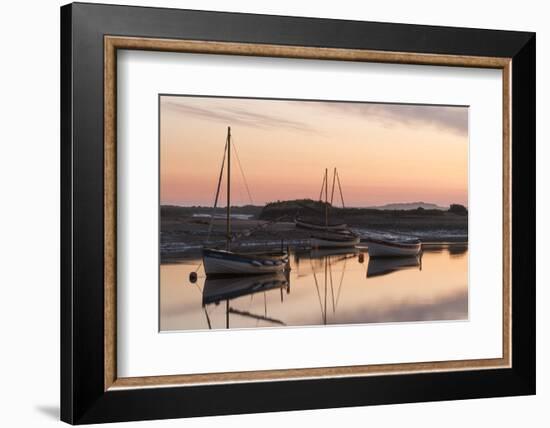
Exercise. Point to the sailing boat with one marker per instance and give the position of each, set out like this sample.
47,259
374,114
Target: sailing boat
227,262
326,226
308,224
406,247
328,238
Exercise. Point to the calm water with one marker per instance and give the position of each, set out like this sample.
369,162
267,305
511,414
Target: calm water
323,287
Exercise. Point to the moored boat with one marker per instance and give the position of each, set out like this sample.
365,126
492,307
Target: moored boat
327,237
226,262
334,240
222,262
393,248
311,225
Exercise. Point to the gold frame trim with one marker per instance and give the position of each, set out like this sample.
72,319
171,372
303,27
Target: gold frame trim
112,43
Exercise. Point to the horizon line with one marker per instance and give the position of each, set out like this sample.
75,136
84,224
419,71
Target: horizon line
272,202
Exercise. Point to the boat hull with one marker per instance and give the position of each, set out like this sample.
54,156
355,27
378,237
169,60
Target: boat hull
319,227
327,242
219,262
393,249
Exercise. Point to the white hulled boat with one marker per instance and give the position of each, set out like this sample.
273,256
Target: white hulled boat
227,262
311,225
393,248
333,238
222,262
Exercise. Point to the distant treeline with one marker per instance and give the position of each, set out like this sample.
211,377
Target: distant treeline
288,210
310,208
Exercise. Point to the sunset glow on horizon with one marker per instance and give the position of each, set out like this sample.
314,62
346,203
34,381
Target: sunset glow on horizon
384,153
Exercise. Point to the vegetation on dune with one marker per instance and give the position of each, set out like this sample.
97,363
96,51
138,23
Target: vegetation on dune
458,209
308,208
311,209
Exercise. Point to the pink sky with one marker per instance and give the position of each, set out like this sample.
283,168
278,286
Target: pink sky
384,153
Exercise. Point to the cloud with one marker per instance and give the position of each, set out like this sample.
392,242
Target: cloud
453,119
235,115
245,112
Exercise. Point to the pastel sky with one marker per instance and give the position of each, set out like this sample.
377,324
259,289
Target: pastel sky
384,153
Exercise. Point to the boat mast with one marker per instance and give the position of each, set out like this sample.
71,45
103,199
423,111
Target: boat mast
228,244
326,197
333,183
340,188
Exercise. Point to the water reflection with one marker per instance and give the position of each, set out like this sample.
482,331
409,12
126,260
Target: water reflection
323,287
217,290
457,249
385,265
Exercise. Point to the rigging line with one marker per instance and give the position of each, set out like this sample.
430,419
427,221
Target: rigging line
333,182
322,188
199,266
242,172
198,288
207,319
331,286
217,193
340,187
325,315
316,285
341,282
256,317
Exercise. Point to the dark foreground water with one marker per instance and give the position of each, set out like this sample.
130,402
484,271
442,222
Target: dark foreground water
323,287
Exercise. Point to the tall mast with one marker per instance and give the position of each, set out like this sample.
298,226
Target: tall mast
326,196
333,183
228,245
340,187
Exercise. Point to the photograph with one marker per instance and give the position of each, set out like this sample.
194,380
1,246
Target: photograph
343,202
288,212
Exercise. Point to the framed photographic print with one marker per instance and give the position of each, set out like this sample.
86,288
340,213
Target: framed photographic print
265,213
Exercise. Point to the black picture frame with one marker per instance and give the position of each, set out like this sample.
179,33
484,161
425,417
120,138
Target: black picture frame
83,398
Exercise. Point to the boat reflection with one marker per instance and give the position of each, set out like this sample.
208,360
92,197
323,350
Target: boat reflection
328,267
454,249
314,258
222,289
387,265
334,253
328,287
326,270
458,249
228,288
